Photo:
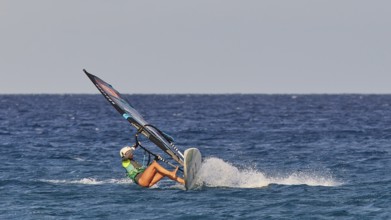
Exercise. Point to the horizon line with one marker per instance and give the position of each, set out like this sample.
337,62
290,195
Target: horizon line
233,93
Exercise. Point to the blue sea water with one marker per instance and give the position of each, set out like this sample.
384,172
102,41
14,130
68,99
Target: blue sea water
265,157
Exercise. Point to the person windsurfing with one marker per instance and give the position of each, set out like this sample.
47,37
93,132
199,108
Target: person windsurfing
145,176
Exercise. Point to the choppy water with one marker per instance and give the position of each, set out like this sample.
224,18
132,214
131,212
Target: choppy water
266,157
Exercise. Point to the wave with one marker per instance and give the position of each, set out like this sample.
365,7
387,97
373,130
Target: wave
218,173
88,181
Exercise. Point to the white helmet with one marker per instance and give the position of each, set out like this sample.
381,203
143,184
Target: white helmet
125,150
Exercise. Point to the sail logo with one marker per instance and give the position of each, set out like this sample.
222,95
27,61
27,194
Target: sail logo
110,91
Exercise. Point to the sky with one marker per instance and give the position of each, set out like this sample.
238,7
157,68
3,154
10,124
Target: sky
203,46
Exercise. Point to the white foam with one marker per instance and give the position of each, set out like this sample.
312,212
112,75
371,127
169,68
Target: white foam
79,159
303,178
89,181
217,173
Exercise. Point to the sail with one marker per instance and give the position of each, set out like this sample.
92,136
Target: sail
129,113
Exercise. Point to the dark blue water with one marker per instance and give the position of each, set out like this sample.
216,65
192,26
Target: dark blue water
266,157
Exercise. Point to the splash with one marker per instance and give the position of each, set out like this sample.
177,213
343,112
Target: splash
217,173
79,159
303,178
88,181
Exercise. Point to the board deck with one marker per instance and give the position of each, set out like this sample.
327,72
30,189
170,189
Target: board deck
192,166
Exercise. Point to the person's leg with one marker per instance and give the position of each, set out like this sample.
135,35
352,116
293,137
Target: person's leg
172,175
158,176
145,178
154,173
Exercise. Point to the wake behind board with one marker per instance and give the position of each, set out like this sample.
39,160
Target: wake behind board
192,166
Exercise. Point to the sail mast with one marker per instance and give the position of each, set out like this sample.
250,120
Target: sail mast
135,118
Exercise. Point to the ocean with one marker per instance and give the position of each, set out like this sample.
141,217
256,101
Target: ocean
264,157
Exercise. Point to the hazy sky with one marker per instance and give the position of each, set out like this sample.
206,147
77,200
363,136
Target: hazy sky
275,46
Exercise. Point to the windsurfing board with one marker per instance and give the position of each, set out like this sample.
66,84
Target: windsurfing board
192,166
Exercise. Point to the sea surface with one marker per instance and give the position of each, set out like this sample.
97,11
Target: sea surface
264,157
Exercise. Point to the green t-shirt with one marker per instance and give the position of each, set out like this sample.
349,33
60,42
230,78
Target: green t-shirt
131,169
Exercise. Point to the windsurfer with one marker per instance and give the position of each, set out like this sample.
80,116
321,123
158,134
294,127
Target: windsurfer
145,176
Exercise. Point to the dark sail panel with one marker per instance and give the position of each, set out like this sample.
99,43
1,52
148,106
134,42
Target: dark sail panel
131,114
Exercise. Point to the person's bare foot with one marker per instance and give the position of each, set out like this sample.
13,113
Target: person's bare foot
180,180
